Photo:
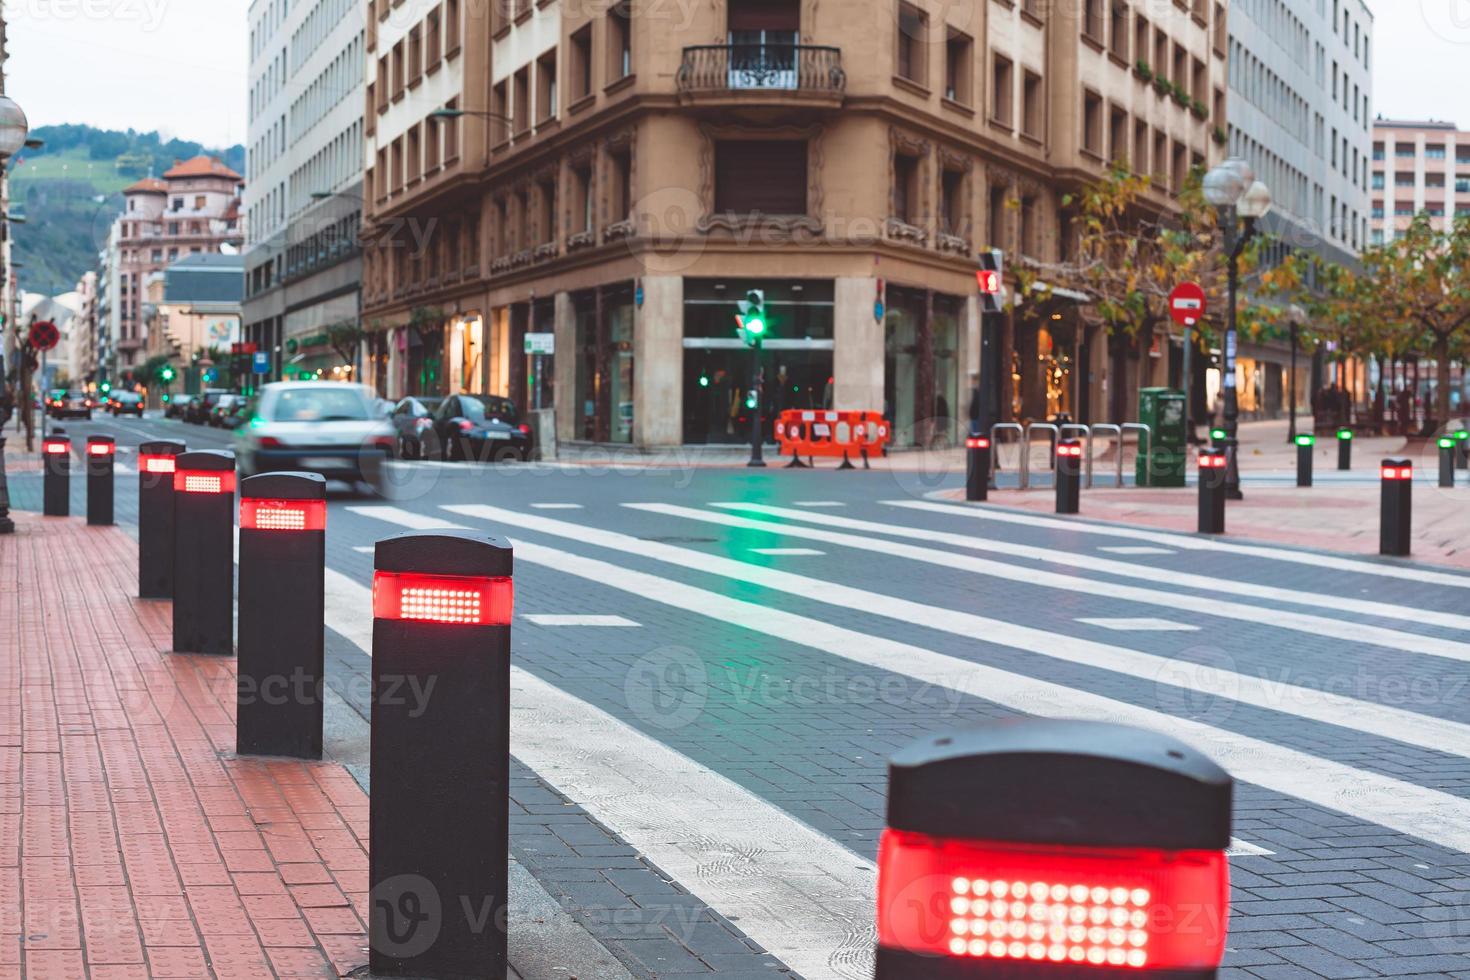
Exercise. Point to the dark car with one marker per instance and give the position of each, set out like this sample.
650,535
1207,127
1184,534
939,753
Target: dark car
200,408
178,406
482,427
125,403
70,405
413,424
223,414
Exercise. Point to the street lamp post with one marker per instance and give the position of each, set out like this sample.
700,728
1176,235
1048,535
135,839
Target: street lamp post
14,130
1295,315
1241,201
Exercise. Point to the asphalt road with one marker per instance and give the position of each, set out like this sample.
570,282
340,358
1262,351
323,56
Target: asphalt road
712,667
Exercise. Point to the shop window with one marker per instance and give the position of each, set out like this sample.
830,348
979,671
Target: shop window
906,204
913,29
1001,96
546,107
1033,108
764,176
958,56
580,75
619,42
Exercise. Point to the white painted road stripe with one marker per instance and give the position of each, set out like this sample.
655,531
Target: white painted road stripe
1127,569
1186,543
791,552
1332,709
557,506
365,549
819,503
1130,549
1312,625
1142,625
1425,813
557,619
801,895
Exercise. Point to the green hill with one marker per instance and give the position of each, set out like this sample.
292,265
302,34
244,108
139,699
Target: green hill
69,193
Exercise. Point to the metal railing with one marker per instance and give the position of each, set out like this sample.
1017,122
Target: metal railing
995,443
1118,435
1026,450
757,67
1144,440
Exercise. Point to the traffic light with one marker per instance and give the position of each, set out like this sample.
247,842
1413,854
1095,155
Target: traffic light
989,279
166,374
752,318
106,386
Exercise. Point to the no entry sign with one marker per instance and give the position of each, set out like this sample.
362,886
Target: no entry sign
1187,303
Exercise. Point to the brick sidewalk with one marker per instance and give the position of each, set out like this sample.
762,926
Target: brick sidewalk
136,844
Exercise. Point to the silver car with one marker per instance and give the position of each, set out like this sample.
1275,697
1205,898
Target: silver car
321,427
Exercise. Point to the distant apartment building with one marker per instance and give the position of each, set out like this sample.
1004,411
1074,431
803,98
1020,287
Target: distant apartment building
304,158
85,327
193,208
1301,77
1418,166
618,177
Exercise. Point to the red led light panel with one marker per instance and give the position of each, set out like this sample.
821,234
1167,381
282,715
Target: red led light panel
56,448
150,463
1131,908
1211,461
204,481
457,599
100,448
1069,450
979,442
283,515
1398,472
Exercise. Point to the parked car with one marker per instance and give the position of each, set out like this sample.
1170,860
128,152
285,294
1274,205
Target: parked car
223,412
178,406
481,427
413,423
125,403
324,427
199,409
70,405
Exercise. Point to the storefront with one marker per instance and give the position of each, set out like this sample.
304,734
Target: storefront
603,329
921,370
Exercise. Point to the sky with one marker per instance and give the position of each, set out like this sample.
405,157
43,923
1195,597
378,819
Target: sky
179,66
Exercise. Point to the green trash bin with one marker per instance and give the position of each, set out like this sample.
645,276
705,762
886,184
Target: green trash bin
1161,462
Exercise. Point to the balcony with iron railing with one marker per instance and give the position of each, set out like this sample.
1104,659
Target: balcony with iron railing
745,73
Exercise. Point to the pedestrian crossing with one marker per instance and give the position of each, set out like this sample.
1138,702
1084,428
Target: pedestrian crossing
797,888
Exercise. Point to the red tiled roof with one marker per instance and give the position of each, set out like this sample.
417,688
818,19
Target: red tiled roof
148,185
200,166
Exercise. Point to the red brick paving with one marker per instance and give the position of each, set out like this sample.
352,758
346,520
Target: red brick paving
132,842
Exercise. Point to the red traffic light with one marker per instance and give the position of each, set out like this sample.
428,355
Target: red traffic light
988,281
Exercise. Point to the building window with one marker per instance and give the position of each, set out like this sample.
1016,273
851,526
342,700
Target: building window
398,70
451,28
1092,21
396,153
620,183
383,84
582,198
432,38
177,204
765,176
1118,134
415,55
958,56
1161,159
1030,240
1033,107
546,86
1140,147
906,206
451,134
913,26
1092,123
500,107
1119,32
996,217
1403,150
952,209
199,202
548,209
1002,98
432,144
415,154
580,77
619,42
522,111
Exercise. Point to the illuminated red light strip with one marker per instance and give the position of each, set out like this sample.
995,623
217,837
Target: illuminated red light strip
1208,461
150,463
1069,450
283,515
204,481
1398,472
100,449
57,448
456,599
981,443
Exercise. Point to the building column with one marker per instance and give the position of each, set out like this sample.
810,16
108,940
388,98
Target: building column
857,355
515,346
564,383
658,362
924,392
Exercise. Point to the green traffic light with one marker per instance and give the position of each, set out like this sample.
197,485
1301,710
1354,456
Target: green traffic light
165,398
105,386
704,381
750,400
755,325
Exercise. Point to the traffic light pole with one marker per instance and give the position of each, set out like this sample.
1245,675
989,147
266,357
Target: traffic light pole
756,459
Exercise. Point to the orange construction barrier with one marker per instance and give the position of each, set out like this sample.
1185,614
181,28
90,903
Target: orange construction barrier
812,433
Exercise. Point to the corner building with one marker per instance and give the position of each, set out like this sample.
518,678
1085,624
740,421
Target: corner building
619,175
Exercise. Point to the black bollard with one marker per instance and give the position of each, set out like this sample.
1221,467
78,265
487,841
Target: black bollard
1069,476
977,468
283,555
1344,448
440,755
1395,515
1462,442
56,478
156,518
1447,461
101,453
204,552
1212,491
1304,446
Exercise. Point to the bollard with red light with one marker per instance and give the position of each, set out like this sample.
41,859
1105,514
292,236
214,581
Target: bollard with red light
101,452
1304,446
1395,512
1038,848
1069,476
1212,472
1447,461
156,518
56,475
283,555
977,467
1344,448
438,819
204,552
